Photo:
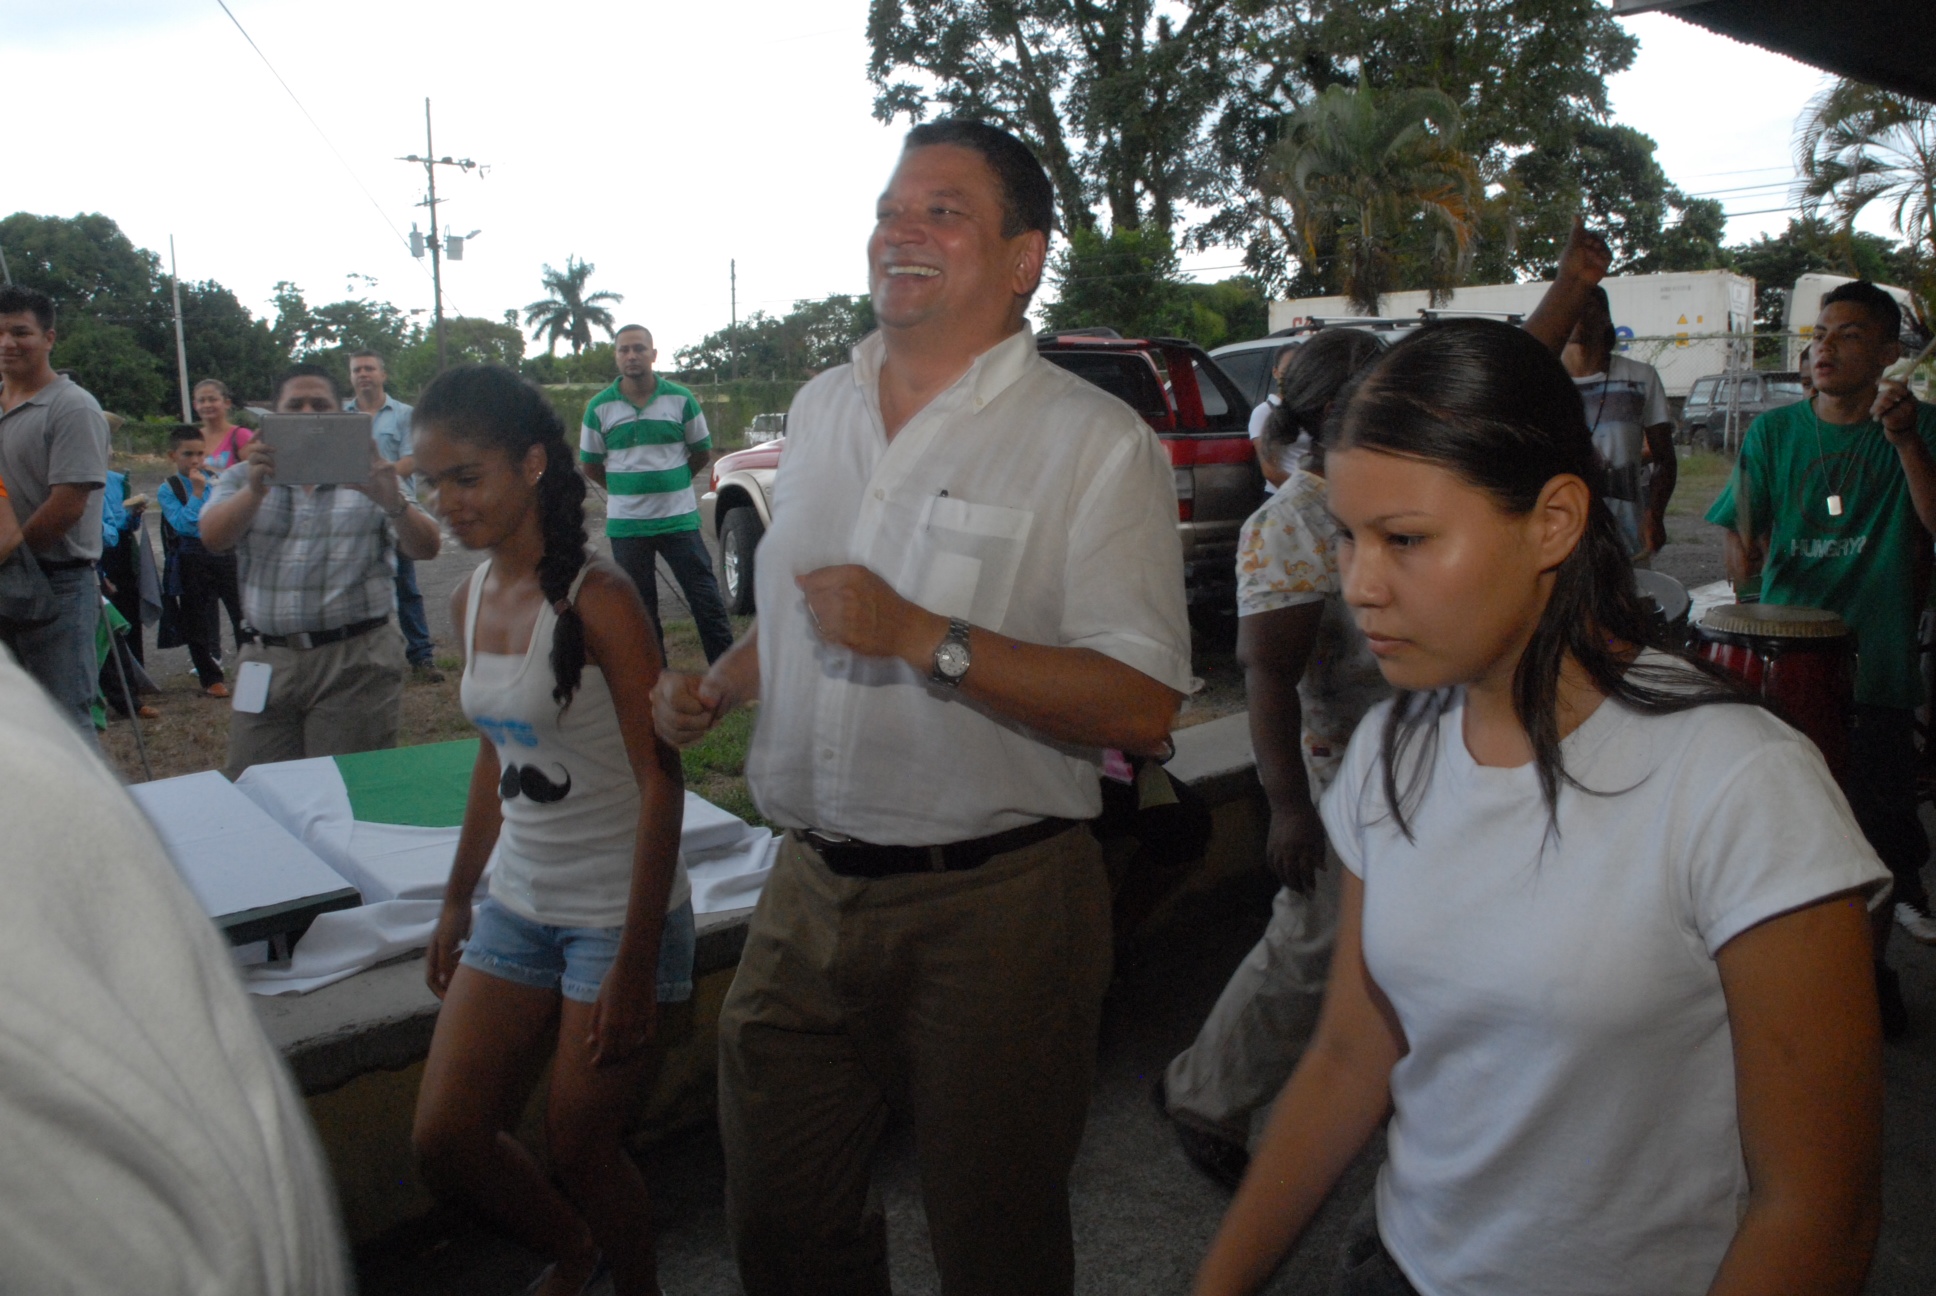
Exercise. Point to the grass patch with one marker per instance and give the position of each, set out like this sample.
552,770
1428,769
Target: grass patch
1702,475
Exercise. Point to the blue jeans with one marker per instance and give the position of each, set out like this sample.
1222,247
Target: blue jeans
410,614
684,552
572,960
61,655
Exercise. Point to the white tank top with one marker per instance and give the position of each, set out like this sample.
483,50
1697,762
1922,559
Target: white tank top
564,858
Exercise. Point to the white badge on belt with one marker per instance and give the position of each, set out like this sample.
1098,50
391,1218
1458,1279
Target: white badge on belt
252,687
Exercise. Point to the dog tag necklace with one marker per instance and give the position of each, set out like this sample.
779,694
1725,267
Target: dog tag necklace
1834,501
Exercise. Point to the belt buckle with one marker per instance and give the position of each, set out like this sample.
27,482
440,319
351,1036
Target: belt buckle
301,639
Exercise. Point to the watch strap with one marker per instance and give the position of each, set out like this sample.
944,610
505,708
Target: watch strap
957,634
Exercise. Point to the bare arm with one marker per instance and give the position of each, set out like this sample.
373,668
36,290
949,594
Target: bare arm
9,531
483,820
1073,695
1660,487
417,535
1335,1099
1808,1090
57,514
1274,647
696,461
619,640
1743,561
594,473
1899,413
1583,263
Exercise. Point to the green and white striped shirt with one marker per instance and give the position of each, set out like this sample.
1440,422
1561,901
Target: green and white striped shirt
644,449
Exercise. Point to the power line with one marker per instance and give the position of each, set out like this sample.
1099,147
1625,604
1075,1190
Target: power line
316,127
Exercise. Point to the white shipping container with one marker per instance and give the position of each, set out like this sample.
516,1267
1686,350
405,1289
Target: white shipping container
1805,304
1687,324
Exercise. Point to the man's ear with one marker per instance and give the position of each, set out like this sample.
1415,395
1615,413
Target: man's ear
1031,252
1560,518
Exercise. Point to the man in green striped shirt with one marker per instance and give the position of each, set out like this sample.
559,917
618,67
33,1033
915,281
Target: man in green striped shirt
644,440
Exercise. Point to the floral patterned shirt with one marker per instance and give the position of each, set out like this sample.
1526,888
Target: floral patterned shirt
1287,554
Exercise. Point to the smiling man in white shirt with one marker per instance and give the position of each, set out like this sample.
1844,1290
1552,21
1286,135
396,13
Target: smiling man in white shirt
971,586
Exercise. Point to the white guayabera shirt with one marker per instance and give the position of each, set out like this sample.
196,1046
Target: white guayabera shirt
1022,499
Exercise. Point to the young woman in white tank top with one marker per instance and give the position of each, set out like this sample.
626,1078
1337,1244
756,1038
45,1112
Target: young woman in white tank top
588,925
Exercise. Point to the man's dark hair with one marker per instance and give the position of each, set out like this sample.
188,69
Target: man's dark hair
1882,308
632,328
184,432
15,300
296,371
365,353
1028,200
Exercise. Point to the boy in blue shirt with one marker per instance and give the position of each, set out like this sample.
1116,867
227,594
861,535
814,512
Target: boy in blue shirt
203,582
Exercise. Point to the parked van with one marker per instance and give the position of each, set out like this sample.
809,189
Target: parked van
1720,406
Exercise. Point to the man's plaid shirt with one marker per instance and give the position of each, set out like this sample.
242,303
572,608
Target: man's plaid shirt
312,560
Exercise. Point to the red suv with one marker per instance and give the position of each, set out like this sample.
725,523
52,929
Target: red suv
1197,412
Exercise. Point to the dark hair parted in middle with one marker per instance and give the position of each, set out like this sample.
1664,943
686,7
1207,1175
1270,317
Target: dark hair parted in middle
490,405
1489,403
1028,200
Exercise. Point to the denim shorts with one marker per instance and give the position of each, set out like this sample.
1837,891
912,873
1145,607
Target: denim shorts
572,960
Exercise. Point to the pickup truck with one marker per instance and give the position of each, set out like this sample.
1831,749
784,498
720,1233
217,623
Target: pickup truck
1197,412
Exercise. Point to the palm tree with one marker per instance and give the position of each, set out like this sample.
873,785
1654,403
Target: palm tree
1373,174
1860,145
568,312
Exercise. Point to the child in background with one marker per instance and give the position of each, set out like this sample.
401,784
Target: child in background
204,582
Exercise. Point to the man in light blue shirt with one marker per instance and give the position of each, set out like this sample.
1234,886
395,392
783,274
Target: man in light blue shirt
391,427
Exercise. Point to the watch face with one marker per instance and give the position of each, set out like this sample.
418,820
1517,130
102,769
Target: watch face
951,659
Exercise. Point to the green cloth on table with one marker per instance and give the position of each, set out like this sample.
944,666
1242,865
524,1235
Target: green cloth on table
423,787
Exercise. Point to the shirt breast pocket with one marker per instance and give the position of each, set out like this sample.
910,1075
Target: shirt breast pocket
966,557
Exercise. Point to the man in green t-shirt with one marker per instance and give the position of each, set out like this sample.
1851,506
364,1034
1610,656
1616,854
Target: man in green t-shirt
1841,500
644,440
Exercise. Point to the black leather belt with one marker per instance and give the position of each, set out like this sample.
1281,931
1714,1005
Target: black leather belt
858,859
318,638
63,564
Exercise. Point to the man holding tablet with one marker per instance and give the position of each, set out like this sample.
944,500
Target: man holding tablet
318,579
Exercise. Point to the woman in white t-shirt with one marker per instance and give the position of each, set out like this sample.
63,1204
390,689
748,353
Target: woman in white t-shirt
1602,954
588,925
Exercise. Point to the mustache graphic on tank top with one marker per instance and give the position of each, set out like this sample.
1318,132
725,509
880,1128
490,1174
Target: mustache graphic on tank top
531,781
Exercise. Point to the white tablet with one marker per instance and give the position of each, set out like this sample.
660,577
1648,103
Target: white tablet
319,449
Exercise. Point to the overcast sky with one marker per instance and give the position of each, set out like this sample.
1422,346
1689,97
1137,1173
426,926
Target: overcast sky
658,141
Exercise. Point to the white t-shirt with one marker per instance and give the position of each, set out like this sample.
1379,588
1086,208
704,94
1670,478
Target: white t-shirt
1621,404
1565,1115
1022,499
1294,455
150,1140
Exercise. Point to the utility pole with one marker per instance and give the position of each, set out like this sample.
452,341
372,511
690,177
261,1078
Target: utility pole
431,162
732,330
181,347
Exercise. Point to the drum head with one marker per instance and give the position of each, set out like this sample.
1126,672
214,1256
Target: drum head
1774,621
1667,595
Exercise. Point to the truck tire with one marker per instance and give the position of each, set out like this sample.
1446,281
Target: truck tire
739,535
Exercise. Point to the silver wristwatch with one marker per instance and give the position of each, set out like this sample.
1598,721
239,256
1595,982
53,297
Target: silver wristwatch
951,655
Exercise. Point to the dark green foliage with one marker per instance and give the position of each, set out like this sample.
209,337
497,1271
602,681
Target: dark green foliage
1129,280
110,362
567,311
467,340
597,363
817,334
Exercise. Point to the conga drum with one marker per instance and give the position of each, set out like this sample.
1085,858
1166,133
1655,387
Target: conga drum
1801,660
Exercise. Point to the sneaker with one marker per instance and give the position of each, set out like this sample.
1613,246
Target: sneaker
1915,919
1221,1158
1895,1013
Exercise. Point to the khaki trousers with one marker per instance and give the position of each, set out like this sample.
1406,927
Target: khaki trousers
1255,1035
343,697
969,1002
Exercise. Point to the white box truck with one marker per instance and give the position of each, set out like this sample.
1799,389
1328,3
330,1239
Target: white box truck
1804,302
1687,324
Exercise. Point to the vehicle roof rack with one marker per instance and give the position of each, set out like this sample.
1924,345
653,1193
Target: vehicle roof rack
1097,331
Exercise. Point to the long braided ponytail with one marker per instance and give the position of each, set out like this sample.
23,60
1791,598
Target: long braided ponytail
490,405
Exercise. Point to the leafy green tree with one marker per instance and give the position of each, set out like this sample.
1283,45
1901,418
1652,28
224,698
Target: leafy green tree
223,340
110,362
1128,279
817,334
1609,173
597,363
568,311
1861,146
1114,98
1377,178
325,335
1811,245
467,339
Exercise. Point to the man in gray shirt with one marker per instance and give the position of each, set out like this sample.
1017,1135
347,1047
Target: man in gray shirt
53,461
